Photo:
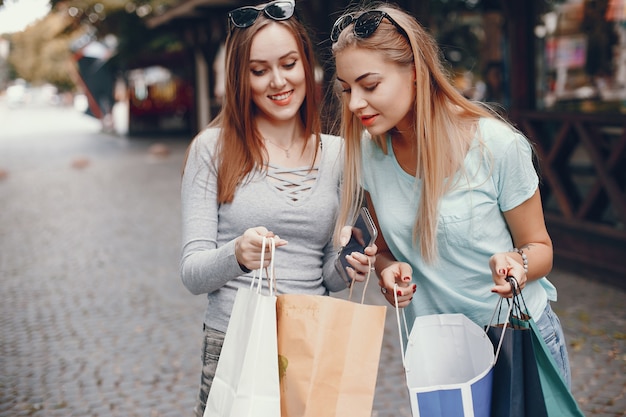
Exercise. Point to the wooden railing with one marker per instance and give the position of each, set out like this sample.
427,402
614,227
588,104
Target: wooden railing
582,163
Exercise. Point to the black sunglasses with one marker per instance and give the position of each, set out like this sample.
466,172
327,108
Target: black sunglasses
364,25
244,17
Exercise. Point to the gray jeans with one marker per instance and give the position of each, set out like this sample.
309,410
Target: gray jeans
211,349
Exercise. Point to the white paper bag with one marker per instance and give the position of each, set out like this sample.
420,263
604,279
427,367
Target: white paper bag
449,367
449,363
246,380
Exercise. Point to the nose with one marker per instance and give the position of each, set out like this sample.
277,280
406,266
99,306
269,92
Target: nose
278,80
357,102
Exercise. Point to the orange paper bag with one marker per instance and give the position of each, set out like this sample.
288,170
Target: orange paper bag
328,351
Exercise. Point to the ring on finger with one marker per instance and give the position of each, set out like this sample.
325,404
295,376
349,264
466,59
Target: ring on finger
383,290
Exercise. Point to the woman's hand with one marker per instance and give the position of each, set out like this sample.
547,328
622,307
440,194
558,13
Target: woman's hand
249,245
502,266
397,273
362,263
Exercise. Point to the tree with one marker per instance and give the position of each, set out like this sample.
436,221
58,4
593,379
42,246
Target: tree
39,53
43,52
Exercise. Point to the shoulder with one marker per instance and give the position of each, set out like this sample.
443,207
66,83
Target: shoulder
493,129
208,137
202,149
331,165
500,137
205,141
331,142
332,149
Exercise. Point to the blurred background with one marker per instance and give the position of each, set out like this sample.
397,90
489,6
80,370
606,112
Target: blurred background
557,68
98,102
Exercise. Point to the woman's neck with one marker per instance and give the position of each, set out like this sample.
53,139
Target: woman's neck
404,146
283,134
286,144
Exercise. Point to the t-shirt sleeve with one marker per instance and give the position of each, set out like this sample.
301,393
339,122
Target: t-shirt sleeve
515,177
204,267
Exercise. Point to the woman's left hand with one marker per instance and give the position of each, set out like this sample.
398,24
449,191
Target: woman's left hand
502,266
362,263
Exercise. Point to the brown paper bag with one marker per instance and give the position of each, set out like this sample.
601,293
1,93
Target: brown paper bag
328,350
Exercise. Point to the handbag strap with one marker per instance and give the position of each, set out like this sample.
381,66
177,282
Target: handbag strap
270,272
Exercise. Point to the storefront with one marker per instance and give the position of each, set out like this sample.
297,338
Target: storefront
577,120
557,68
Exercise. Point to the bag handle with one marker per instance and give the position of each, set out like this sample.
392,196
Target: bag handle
270,272
514,286
406,327
367,280
515,290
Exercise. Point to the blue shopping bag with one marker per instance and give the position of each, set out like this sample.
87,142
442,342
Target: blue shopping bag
449,362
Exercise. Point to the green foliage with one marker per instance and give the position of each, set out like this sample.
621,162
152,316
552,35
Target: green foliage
40,54
43,51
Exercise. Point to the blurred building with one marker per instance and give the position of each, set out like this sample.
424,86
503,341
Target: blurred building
556,68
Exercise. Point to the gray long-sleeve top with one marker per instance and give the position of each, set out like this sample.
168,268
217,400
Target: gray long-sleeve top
208,264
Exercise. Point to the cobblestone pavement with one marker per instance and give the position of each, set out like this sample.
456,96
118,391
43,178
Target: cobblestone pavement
94,320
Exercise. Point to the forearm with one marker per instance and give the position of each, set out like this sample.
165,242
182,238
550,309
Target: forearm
529,234
205,270
537,257
204,267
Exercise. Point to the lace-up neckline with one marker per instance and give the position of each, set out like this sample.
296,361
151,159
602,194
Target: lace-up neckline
294,183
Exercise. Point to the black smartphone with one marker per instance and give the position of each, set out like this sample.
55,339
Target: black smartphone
364,233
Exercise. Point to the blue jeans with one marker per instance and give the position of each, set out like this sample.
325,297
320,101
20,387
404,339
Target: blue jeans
550,328
211,349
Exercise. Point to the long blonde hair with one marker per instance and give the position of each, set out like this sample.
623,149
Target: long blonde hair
445,122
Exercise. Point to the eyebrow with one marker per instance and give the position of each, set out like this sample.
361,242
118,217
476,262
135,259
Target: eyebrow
287,55
367,74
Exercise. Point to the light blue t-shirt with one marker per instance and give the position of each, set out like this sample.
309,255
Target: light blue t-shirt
499,177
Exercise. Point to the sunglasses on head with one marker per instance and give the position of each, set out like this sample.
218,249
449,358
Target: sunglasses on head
244,17
364,25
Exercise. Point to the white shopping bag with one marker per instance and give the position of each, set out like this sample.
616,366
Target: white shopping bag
449,363
246,380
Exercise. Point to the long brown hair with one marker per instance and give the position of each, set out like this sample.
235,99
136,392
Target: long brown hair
240,146
445,122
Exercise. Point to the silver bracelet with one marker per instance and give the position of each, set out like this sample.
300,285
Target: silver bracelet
524,258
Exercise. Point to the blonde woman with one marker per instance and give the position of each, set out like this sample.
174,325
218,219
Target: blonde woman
451,185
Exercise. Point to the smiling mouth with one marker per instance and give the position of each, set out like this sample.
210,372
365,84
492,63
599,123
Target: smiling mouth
281,96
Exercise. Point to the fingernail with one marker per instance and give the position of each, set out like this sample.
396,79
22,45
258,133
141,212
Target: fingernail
502,271
399,293
414,287
406,278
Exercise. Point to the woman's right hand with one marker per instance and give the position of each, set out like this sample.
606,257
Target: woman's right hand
397,273
249,245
